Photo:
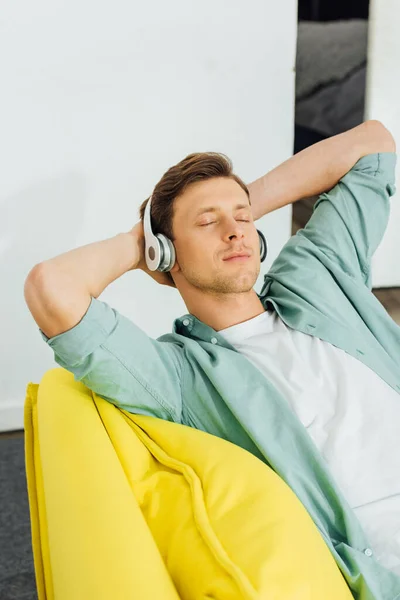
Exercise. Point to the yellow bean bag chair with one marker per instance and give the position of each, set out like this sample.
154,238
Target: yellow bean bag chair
128,506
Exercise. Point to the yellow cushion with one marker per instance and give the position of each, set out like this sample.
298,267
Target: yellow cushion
129,506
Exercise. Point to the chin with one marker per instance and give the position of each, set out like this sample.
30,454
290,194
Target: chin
243,283
221,282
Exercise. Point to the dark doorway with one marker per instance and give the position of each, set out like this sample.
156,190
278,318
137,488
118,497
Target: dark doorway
331,69
321,10
330,88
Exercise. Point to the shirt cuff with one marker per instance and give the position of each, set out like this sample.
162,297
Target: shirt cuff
74,345
382,165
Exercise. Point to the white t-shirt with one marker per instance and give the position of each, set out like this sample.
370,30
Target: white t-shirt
351,414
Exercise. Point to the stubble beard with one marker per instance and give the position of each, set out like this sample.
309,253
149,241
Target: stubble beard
222,283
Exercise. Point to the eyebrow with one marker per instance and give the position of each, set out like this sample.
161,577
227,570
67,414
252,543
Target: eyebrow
216,209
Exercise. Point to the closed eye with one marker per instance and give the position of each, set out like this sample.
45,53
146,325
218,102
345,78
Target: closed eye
211,222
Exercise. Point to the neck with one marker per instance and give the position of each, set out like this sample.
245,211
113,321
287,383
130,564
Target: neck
224,310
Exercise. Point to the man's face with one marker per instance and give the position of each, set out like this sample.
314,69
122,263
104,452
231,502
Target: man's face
213,220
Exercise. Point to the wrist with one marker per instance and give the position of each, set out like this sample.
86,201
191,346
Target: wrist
133,249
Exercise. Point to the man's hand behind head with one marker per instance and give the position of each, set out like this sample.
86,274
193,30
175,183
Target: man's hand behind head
161,277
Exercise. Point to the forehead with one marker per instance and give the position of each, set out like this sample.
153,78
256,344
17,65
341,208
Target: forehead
220,193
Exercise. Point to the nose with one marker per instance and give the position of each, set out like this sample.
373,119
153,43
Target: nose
234,230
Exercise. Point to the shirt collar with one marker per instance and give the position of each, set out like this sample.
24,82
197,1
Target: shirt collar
190,326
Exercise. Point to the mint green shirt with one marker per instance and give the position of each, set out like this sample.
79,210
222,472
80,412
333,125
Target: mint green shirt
319,284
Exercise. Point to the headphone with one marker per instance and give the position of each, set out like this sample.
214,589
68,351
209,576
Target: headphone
160,252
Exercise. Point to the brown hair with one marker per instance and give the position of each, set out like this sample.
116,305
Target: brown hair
198,166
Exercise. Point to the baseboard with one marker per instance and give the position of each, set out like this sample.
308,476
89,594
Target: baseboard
11,417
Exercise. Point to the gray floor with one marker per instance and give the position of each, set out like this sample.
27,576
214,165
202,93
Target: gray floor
17,577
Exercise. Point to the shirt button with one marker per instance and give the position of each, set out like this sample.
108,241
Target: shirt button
368,552
214,341
186,321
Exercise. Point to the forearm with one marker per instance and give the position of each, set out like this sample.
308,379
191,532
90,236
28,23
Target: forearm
94,266
58,291
317,168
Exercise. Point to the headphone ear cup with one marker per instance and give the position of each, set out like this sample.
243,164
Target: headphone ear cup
168,255
263,246
153,251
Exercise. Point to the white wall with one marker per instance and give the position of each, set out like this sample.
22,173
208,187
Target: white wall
98,101
383,103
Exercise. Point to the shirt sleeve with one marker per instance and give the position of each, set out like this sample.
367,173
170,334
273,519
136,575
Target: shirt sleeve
349,221
116,359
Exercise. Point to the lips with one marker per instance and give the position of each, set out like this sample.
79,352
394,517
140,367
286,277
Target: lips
238,255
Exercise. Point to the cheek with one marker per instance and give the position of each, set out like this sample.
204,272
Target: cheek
196,251
200,251
188,248
256,240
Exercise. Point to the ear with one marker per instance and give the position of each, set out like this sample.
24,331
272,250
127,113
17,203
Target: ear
176,268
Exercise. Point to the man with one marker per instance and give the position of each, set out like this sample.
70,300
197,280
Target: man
305,375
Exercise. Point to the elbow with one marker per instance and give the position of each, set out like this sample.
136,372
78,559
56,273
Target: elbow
33,287
378,137
34,280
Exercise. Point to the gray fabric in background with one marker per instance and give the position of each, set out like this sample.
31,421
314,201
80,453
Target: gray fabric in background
336,107
17,576
328,51
331,66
